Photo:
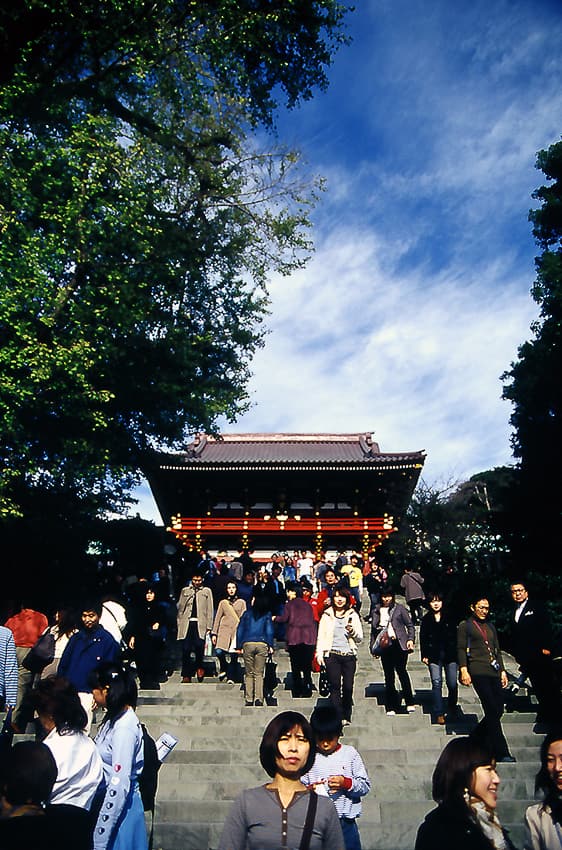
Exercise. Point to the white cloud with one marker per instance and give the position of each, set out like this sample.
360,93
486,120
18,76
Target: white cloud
417,362
418,294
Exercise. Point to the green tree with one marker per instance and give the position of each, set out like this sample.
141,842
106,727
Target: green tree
534,386
140,213
462,528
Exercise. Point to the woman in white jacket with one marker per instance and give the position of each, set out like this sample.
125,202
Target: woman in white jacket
543,821
339,632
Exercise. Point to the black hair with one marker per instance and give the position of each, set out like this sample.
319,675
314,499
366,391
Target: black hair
58,698
122,688
261,605
343,591
295,586
29,772
275,729
233,581
67,622
386,590
543,780
455,768
477,596
92,605
432,595
326,721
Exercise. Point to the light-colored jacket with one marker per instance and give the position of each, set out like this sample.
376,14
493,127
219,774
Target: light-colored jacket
226,622
326,633
540,829
204,611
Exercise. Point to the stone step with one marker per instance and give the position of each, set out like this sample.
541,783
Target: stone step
217,754
178,767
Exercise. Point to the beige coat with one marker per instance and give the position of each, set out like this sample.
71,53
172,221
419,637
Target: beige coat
226,622
540,829
204,610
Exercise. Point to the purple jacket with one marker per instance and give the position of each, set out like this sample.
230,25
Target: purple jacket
301,625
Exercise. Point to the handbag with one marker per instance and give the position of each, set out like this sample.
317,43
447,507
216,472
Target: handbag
323,682
380,643
40,654
208,647
270,676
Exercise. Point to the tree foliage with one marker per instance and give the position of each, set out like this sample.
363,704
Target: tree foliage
533,383
140,214
456,528
466,538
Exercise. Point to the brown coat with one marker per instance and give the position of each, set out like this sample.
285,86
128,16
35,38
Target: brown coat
226,622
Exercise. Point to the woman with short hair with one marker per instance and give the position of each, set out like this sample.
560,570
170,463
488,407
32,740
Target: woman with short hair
276,814
465,786
63,718
481,665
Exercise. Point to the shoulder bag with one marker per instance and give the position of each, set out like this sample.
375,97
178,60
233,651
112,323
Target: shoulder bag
309,822
41,653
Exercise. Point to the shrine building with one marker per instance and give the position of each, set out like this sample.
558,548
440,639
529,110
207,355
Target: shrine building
283,492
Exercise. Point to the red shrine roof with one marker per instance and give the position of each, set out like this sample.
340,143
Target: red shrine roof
290,448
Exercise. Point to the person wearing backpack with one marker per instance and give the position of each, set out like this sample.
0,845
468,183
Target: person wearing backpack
120,741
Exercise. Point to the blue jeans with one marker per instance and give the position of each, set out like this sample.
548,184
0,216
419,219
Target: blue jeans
351,837
436,673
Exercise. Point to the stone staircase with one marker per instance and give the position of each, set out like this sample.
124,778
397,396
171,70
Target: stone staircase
217,754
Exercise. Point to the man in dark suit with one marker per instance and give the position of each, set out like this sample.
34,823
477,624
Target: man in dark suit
532,648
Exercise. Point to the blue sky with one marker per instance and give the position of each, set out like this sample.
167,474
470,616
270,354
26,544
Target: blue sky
417,295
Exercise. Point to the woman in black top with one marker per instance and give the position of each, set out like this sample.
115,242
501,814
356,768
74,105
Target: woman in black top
438,648
465,785
147,627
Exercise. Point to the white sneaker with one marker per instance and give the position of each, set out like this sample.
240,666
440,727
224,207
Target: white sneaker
391,714
410,708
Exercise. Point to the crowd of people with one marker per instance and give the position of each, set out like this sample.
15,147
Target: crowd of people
54,675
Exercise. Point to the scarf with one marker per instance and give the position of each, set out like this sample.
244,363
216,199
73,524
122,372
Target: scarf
488,822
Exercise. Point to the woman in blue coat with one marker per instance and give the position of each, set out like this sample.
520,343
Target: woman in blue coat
254,637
